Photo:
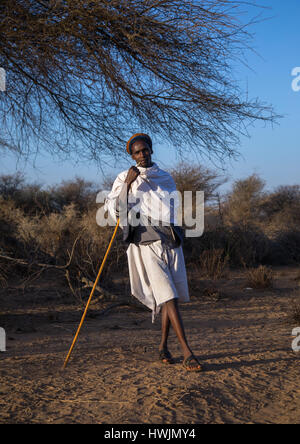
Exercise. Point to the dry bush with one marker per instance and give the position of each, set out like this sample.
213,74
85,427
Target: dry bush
295,313
282,209
51,233
30,198
197,178
260,278
242,246
10,215
210,240
46,226
90,250
58,239
33,199
213,263
242,206
246,246
107,182
32,234
78,192
284,248
11,185
297,278
3,277
55,235
27,239
10,218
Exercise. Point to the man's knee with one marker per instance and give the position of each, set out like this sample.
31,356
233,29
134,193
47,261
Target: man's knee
171,303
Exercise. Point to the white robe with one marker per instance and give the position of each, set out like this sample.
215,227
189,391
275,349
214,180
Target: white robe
157,273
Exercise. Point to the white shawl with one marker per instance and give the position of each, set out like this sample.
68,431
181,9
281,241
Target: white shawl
152,283
153,194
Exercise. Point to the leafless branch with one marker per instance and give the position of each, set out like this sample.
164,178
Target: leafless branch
83,75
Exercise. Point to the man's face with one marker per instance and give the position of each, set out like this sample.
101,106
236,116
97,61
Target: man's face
141,153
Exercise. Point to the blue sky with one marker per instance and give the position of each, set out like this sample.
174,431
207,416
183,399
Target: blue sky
271,152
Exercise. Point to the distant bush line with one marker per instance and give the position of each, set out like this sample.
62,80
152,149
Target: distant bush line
56,227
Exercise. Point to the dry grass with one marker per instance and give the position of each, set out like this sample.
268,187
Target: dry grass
213,294
260,278
53,239
294,309
214,263
297,278
3,277
41,226
295,314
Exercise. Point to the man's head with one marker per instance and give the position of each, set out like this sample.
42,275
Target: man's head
141,153
140,148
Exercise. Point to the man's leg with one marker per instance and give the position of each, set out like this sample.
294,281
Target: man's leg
165,328
174,316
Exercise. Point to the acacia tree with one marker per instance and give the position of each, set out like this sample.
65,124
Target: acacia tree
83,75
243,203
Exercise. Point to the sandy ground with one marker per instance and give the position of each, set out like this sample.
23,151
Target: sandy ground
242,337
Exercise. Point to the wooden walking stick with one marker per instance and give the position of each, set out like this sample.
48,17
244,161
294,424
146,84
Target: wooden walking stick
91,295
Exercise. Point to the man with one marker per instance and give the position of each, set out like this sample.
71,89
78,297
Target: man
155,257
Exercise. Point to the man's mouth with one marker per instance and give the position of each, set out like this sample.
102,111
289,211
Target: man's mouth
145,162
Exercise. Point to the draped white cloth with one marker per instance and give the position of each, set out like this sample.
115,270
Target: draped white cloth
157,273
153,194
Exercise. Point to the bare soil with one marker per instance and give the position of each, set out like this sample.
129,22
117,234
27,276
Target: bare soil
241,336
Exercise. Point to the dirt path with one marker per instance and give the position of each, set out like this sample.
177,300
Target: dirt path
251,374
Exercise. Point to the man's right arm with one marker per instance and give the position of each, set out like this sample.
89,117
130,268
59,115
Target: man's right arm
116,201
122,200
133,173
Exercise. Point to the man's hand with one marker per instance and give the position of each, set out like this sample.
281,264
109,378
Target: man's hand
133,173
